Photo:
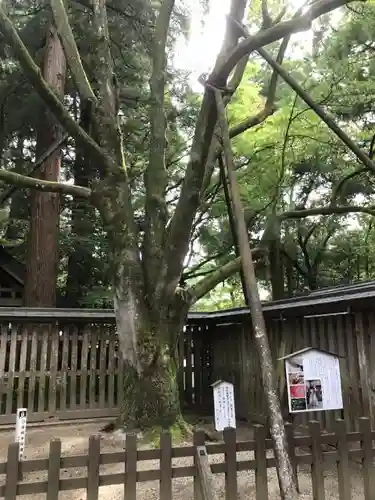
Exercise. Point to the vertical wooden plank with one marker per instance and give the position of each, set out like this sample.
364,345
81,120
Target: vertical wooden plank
130,483
12,365
83,372
3,347
52,387
92,379
317,468
199,440
102,366
230,455
362,347
111,370
12,472
120,378
33,368
73,368
198,370
292,452
93,468
54,470
343,469
22,366
43,336
64,367
166,466
180,374
371,368
353,380
261,480
189,368
367,467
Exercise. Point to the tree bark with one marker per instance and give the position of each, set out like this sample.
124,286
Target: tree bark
43,242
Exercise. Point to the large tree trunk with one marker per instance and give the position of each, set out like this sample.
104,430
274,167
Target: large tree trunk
43,243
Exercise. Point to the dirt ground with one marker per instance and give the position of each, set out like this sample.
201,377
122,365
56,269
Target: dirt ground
75,442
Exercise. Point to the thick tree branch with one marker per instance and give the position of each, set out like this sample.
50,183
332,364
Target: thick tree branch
216,277
331,210
71,51
189,200
35,77
156,178
41,185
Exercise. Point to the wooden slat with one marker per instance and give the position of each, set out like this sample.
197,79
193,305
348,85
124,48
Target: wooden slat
12,366
362,348
63,375
33,368
102,368
73,369
261,480
230,456
367,466
12,471
204,474
44,338
83,378
54,470
166,466
111,370
92,376
52,386
343,469
93,468
292,452
3,347
317,468
130,483
22,367
199,440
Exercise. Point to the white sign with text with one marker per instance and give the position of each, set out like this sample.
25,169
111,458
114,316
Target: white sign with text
225,413
21,430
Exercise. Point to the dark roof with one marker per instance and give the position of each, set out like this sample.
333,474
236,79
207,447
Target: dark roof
307,349
338,300
12,266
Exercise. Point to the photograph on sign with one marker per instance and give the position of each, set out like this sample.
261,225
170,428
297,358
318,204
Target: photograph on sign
314,395
313,381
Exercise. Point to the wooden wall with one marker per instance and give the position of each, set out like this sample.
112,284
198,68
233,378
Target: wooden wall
233,357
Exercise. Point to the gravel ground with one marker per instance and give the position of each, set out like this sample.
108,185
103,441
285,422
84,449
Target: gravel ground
75,442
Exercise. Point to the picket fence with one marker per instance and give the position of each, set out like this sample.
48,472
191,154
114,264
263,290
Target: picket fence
321,449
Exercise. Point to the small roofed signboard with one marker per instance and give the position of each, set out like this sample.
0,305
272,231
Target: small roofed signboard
313,380
225,413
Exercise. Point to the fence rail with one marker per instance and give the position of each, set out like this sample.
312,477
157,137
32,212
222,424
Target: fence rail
201,470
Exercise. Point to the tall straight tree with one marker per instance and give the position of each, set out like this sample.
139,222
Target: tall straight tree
43,250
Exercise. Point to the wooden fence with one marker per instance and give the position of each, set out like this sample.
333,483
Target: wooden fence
65,370
322,449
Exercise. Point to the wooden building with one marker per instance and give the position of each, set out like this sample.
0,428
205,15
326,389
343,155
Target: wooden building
339,319
12,273
64,363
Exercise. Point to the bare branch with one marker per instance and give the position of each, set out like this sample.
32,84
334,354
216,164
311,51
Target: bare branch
41,185
331,210
71,51
216,277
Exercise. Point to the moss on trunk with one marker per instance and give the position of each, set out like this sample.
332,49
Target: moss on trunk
151,396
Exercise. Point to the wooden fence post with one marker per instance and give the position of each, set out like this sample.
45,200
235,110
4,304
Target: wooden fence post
166,466
130,483
367,467
317,468
93,468
260,454
199,440
230,441
343,470
204,474
292,452
12,468
54,470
